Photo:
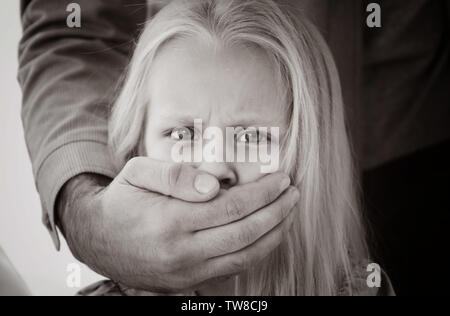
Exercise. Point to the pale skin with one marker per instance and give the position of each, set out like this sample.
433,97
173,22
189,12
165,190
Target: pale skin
222,86
166,227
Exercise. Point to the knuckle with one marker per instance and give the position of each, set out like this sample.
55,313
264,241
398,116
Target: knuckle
234,208
244,238
171,174
197,217
268,197
202,215
248,236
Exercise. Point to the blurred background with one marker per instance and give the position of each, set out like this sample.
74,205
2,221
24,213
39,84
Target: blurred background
22,235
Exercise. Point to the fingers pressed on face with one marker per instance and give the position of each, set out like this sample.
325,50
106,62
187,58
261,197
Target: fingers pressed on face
240,261
239,202
177,180
238,235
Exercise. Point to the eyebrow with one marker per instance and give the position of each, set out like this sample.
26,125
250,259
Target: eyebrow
255,122
182,120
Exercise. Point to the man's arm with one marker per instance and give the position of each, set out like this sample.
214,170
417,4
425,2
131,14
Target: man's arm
144,229
68,76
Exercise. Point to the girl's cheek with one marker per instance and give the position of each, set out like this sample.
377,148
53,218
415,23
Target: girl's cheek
159,150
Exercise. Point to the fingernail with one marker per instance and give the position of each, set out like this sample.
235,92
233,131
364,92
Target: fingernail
205,183
285,183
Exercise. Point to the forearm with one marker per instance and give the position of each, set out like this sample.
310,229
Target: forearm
78,216
68,77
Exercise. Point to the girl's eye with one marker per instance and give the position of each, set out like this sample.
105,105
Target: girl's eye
182,134
252,137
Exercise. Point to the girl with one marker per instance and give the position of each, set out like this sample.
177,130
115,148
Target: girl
234,63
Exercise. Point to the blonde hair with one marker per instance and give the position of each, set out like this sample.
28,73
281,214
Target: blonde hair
327,239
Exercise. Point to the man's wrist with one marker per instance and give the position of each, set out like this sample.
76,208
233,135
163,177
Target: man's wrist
74,201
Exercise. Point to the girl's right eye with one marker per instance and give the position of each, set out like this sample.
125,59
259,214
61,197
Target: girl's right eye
182,134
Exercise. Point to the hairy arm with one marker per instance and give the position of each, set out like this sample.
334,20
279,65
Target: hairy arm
78,195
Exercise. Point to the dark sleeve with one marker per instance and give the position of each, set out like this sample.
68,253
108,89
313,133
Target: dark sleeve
68,76
341,24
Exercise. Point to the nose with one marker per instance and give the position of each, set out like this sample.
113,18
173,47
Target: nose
223,171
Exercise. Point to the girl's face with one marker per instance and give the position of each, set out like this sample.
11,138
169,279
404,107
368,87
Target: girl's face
224,87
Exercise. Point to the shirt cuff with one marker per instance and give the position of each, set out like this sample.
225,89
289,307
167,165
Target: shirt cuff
63,164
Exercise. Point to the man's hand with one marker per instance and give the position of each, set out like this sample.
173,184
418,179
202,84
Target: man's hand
148,230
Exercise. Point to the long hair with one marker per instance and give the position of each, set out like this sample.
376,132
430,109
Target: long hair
327,239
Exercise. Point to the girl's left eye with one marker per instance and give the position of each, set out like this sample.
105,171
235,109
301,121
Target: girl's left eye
252,137
182,134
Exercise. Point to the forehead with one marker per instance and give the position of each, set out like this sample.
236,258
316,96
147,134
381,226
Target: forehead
221,85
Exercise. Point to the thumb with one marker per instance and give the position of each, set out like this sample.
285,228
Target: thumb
180,181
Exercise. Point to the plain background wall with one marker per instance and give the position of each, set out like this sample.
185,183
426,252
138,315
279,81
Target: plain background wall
22,234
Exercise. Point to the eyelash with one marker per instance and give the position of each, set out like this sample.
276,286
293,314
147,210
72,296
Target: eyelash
169,132
258,135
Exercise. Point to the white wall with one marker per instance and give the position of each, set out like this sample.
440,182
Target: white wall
22,236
